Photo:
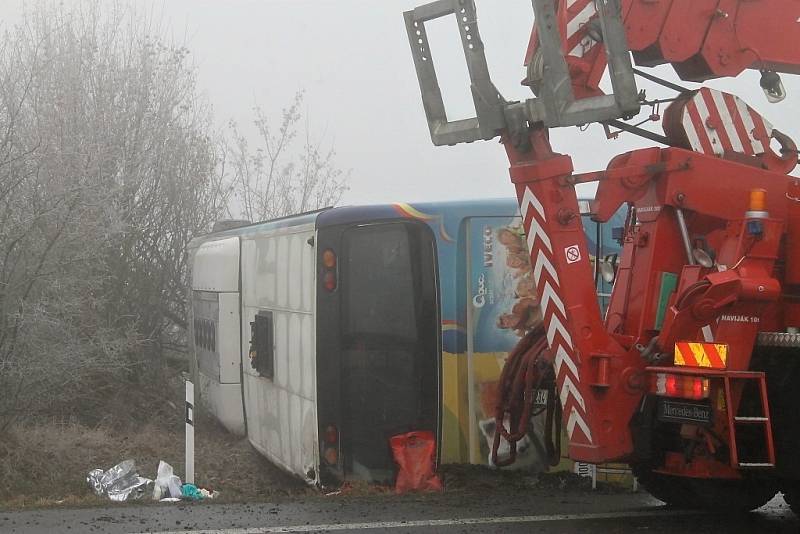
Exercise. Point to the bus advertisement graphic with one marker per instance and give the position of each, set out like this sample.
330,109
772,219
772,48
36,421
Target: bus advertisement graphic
503,305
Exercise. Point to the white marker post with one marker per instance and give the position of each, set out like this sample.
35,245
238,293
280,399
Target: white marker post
189,479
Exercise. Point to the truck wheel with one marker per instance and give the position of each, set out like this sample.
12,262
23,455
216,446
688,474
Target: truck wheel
734,495
674,491
708,494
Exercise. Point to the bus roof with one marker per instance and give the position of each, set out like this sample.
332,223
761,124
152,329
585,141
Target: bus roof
493,207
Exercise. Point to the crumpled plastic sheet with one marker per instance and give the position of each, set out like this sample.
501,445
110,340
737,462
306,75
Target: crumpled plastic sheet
120,483
166,485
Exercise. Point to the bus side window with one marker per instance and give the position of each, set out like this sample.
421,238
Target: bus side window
262,346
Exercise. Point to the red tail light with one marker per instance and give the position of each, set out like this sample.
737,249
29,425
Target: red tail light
331,435
331,439
329,259
699,388
681,386
329,276
329,281
671,387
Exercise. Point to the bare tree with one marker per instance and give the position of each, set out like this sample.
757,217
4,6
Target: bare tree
279,177
108,167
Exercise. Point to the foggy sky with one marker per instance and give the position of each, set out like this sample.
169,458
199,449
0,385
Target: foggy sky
352,58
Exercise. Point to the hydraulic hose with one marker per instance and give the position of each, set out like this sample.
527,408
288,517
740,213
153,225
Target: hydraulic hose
527,369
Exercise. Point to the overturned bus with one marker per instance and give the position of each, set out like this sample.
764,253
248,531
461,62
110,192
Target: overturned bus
321,335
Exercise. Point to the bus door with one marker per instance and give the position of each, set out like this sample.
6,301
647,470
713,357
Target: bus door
378,344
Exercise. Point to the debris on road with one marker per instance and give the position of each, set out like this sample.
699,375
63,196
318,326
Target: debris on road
190,492
415,453
120,483
167,484
208,494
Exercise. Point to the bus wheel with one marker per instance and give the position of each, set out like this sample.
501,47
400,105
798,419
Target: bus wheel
708,494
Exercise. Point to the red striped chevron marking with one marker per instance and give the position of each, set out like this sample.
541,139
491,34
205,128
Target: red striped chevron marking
555,317
715,123
579,13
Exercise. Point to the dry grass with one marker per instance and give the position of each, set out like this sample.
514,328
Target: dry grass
46,464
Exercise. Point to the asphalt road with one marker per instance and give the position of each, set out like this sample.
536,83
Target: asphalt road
556,512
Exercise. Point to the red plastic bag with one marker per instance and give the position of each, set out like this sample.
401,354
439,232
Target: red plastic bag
415,454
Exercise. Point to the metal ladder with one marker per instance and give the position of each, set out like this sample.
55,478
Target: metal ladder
734,382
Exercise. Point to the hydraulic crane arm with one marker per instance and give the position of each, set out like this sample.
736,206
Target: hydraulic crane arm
587,361
584,356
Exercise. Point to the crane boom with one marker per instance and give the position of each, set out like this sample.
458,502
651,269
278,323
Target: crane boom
702,39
